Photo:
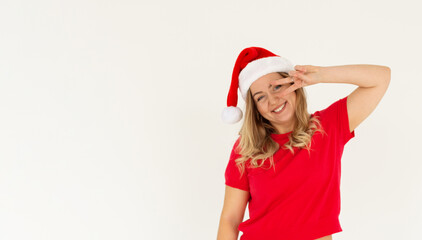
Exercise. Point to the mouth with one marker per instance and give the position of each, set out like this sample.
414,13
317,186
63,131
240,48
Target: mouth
279,108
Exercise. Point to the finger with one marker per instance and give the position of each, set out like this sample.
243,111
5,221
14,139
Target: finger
295,73
291,73
303,77
282,81
300,68
290,89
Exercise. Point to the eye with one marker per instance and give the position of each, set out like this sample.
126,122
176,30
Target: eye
259,98
276,87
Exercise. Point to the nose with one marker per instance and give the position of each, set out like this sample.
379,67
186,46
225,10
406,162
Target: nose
273,99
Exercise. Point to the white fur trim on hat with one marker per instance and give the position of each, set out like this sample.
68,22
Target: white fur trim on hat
231,114
259,68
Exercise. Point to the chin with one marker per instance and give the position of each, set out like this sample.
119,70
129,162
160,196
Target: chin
286,117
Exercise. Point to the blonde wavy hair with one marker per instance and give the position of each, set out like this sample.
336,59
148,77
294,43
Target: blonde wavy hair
255,140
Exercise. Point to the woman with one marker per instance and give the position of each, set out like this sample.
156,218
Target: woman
286,163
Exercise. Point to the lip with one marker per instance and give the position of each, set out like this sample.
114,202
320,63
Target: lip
278,107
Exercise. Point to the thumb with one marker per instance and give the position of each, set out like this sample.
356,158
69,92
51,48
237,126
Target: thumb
301,68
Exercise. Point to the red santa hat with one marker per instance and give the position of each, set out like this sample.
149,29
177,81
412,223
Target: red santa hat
251,64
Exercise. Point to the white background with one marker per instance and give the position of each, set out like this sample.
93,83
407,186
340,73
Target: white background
110,121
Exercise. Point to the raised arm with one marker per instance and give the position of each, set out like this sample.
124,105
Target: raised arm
373,81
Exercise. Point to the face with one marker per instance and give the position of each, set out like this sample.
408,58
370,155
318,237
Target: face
268,100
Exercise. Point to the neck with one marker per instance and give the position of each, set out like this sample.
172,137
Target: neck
284,129
281,129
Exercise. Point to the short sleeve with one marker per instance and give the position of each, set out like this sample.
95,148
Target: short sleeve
233,175
337,120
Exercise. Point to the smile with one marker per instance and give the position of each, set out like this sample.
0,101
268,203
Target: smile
280,108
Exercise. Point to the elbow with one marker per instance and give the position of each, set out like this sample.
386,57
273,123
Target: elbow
388,74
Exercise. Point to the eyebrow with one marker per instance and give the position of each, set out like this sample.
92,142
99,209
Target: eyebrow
260,91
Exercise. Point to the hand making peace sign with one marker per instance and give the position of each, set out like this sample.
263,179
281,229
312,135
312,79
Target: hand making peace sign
305,75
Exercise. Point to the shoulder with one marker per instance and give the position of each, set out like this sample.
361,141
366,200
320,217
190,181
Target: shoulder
331,111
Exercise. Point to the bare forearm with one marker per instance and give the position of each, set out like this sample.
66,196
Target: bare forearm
227,230
362,75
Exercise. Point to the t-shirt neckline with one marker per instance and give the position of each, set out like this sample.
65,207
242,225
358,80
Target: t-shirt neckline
282,136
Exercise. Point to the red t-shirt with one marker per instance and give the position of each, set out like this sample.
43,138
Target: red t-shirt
300,199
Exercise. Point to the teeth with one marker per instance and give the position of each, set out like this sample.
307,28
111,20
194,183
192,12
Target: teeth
279,109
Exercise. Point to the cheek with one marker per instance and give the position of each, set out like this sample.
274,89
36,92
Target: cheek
262,110
293,101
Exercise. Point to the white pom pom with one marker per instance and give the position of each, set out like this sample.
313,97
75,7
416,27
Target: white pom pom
231,114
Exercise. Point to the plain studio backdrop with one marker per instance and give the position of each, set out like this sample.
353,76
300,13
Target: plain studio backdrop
110,122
